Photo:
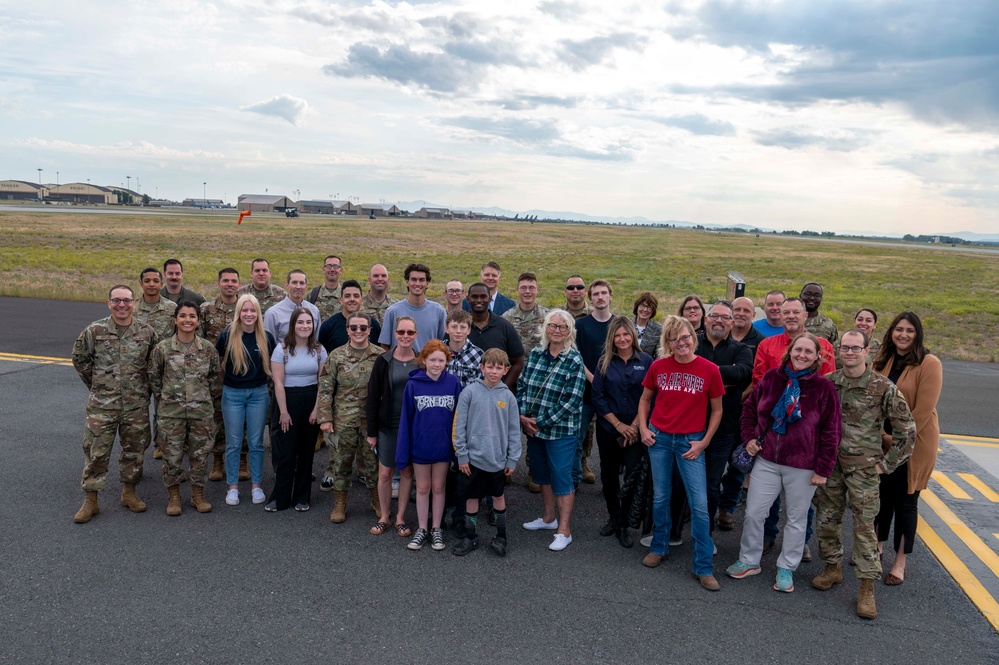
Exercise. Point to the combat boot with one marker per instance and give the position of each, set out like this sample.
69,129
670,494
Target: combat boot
131,500
244,468
833,574
218,467
588,476
532,486
376,504
339,513
866,609
173,502
198,501
88,509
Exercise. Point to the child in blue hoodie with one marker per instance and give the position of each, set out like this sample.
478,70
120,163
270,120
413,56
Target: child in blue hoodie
487,445
425,429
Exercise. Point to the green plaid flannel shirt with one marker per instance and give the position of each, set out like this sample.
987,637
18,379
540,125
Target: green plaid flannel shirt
551,390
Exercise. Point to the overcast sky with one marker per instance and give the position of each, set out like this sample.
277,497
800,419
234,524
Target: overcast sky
848,116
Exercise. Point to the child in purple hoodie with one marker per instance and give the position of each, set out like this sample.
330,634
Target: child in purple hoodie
425,431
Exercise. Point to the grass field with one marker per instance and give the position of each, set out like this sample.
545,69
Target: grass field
78,256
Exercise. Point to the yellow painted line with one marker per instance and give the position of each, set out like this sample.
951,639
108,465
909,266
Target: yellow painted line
970,584
962,531
976,445
968,437
952,488
23,355
986,491
39,360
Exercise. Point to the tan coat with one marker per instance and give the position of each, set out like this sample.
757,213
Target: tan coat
920,385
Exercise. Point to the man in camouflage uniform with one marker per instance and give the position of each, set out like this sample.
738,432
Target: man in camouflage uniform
575,297
187,382
868,400
817,323
528,315
377,299
152,308
111,356
326,296
260,286
216,316
343,392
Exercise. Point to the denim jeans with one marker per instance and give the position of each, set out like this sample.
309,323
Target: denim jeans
244,409
666,452
586,415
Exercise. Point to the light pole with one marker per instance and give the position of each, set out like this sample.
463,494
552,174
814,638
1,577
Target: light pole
39,184
57,178
129,179
204,196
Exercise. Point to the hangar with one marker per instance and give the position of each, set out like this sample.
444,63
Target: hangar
265,203
82,192
22,190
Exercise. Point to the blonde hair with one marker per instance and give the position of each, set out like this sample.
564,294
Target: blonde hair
234,349
674,326
610,349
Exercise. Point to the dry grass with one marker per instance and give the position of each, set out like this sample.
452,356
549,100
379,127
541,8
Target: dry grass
76,257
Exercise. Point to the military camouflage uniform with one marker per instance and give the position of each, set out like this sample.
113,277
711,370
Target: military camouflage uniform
821,325
267,298
376,310
187,382
528,324
577,314
216,316
157,315
866,403
328,302
343,392
112,361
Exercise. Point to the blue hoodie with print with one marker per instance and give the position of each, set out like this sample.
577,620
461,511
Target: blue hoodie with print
425,426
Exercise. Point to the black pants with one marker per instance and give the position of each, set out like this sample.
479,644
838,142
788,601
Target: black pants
292,451
716,457
613,460
899,506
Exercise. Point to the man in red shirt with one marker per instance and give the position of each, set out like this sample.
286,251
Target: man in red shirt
771,350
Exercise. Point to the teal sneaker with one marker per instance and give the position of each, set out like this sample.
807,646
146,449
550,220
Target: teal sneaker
738,570
785,580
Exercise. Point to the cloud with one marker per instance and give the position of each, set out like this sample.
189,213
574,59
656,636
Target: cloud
529,102
697,123
545,136
797,139
968,177
434,71
122,149
580,54
283,106
561,10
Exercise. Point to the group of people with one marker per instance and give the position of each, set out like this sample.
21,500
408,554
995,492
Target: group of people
688,411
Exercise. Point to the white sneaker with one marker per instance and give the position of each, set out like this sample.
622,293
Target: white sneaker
540,525
258,495
395,489
646,541
232,498
560,542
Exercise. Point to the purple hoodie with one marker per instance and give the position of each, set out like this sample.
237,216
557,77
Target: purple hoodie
810,443
425,426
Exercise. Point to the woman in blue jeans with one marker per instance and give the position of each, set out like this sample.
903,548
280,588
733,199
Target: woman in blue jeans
245,350
688,393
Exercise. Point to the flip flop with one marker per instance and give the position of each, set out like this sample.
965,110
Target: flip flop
892,580
403,530
378,529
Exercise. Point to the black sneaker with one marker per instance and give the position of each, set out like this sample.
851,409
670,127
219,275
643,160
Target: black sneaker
301,507
437,539
465,546
326,485
271,506
498,545
419,540
610,528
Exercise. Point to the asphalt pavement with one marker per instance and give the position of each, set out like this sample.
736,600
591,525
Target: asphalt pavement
239,584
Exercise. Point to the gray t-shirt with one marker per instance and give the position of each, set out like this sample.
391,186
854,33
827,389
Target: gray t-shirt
430,320
301,368
399,376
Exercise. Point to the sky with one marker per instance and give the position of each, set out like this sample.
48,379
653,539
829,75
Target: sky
866,117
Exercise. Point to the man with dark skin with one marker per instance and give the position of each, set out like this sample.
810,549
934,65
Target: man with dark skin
490,331
818,324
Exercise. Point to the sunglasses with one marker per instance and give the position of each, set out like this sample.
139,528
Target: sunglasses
405,333
355,328
575,287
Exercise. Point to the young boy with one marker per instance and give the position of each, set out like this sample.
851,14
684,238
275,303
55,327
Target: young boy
465,356
487,445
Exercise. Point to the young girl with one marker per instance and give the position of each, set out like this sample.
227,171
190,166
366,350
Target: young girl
295,366
425,429
186,380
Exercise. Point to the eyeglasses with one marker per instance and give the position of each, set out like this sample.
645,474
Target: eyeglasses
575,287
681,338
454,292
406,333
560,327
121,301
527,288
851,349
334,266
692,308
355,328
723,317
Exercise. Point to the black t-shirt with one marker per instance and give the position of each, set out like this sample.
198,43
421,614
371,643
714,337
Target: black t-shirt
333,332
591,335
497,334
255,375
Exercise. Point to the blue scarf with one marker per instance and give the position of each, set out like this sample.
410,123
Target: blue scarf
788,407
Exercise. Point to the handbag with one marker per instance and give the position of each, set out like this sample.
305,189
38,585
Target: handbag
741,459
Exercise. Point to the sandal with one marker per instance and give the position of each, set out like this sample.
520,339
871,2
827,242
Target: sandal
893,580
378,529
403,530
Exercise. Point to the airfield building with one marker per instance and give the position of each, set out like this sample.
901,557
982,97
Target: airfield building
265,203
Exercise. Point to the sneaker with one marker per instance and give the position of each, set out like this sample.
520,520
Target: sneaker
301,507
715,551
645,541
419,540
465,546
560,542
540,525
258,495
326,485
785,580
232,498
674,542
806,554
395,489
738,570
271,507
498,545
437,539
